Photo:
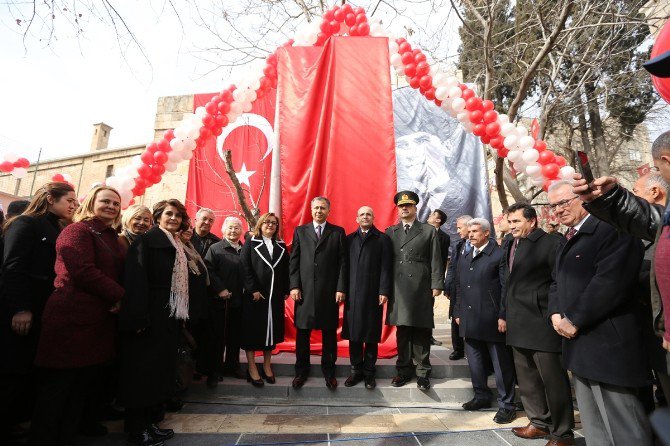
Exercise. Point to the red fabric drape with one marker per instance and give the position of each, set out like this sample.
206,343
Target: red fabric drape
336,140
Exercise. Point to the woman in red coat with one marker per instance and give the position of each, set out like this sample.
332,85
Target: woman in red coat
78,325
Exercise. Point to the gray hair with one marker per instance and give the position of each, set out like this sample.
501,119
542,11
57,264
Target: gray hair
656,179
231,220
464,217
558,184
327,201
661,144
202,211
481,222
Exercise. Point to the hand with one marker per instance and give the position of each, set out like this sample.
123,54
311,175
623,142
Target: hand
666,345
589,192
115,308
555,320
437,293
225,294
340,297
566,329
296,294
502,325
257,296
383,299
21,322
458,321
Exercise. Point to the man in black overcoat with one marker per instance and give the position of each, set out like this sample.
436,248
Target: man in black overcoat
460,249
480,313
370,284
438,218
527,265
202,237
318,282
596,311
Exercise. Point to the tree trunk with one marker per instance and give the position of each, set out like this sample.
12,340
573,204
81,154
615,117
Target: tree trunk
597,133
250,215
500,182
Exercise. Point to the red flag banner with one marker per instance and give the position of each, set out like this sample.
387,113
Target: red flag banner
337,140
251,140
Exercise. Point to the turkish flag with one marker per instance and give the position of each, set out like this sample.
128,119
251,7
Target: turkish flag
337,140
251,140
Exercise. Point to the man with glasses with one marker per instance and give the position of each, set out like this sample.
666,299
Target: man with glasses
595,310
202,235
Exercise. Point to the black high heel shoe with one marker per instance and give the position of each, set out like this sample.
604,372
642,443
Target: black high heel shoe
254,382
270,379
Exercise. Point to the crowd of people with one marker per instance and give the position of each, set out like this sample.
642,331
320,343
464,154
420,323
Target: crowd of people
102,309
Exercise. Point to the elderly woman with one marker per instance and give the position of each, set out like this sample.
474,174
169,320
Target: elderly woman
266,283
136,220
79,322
152,313
225,275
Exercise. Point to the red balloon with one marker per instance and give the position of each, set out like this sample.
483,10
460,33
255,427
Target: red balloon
227,96
22,162
475,116
479,129
546,157
550,170
467,94
364,29
160,158
422,68
169,135
503,151
138,192
217,131
339,15
400,40
430,94
224,107
347,8
414,82
211,108
540,145
334,27
360,19
144,171
359,11
419,57
272,59
147,157
473,104
492,129
437,101
487,105
321,38
158,169
209,121
155,179
164,145
141,183
221,120
59,178
426,82
407,58
486,139
489,115
560,161
152,147
410,70
350,19
404,47
270,71
546,184
497,142
328,15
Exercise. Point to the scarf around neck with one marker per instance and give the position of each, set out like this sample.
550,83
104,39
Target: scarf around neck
179,286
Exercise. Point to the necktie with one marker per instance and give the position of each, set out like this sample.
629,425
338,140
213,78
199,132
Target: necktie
475,253
571,233
406,229
512,253
468,247
318,232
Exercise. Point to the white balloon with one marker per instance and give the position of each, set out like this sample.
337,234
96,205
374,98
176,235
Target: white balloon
537,181
393,47
400,71
67,177
440,80
452,81
12,158
526,142
171,166
511,142
238,95
463,117
136,161
376,30
467,126
189,145
446,105
255,85
458,104
174,156
251,96
455,92
177,145
441,93
127,183
188,155
396,59
530,155
533,170
194,132
508,129
232,117
521,131
180,133
200,112
566,173
236,107
514,155
519,165
247,107
503,119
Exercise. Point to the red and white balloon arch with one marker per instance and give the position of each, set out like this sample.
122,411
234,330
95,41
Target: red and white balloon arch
476,115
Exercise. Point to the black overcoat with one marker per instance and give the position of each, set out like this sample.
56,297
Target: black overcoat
319,270
527,290
596,273
225,273
27,281
202,244
478,304
263,320
445,241
370,274
148,359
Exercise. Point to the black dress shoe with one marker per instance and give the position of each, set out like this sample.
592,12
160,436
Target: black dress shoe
255,382
160,434
475,404
434,341
370,382
400,380
352,380
423,383
212,381
331,383
270,379
455,356
298,382
92,429
505,416
144,438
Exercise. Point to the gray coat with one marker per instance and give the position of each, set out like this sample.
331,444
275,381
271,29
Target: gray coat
417,269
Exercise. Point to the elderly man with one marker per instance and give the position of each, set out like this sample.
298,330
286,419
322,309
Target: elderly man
461,248
418,277
437,219
596,311
370,282
318,281
480,312
527,265
652,187
202,236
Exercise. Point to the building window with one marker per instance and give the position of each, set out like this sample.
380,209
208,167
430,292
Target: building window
634,155
110,171
18,186
104,133
95,132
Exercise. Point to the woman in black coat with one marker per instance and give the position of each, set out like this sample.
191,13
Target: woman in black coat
151,317
265,262
26,283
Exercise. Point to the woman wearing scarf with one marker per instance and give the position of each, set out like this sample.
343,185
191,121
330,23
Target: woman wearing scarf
136,220
153,310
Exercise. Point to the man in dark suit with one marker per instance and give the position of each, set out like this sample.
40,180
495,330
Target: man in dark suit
480,313
318,280
202,237
438,218
527,265
460,249
370,284
596,311
418,277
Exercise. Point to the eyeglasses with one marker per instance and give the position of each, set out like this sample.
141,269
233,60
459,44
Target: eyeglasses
654,169
561,204
270,223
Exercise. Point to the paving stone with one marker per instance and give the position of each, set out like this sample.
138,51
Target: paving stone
255,439
479,438
373,440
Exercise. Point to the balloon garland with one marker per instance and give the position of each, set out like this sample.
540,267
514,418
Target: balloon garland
476,115
12,163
